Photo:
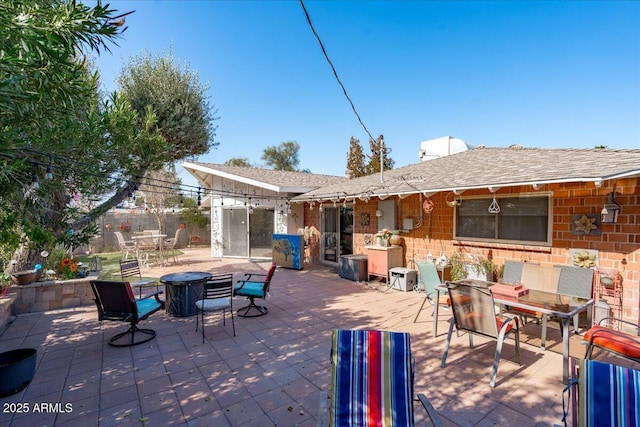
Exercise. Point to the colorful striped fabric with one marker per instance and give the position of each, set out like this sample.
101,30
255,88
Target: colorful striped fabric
372,379
608,395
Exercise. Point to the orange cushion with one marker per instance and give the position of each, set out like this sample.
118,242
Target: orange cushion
500,322
614,340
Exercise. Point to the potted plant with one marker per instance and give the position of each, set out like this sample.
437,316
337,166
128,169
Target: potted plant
5,283
193,217
475,267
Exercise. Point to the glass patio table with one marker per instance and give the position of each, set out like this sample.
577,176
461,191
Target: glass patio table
564,307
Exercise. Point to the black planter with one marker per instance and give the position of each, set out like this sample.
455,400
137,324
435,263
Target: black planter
16,370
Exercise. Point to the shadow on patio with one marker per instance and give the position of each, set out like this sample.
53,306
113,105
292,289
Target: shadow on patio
271,373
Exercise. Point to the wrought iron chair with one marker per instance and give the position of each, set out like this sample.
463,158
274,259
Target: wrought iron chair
116,302
252,286
430,279
131,269
217,295
372,381
474,311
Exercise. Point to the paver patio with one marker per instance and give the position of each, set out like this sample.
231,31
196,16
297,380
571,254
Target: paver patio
271,373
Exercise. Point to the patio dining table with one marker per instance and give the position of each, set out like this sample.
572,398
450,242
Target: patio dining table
551,304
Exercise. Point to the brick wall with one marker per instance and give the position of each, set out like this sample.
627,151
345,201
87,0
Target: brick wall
618,245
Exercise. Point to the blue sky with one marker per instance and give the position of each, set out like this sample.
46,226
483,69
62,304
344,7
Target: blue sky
541,74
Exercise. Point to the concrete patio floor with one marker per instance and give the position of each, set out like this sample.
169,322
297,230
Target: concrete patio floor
271,373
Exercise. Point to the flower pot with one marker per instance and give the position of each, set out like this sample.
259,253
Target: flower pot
17,368
395,239
23,277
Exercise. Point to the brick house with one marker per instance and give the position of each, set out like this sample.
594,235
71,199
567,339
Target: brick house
545,197
546,206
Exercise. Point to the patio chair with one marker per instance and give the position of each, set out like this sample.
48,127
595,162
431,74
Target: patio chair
620,343
252,286
371,381
116,302
604,394
146,245
430,279
217,295
126,246
171,244
131,269
474,311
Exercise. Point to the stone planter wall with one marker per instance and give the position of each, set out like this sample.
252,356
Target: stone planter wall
5,309
51,295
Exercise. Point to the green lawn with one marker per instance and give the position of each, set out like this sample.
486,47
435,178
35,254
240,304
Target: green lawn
110,265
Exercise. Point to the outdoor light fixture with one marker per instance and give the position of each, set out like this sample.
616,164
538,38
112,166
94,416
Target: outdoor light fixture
379,214
49,174
35,182
610,211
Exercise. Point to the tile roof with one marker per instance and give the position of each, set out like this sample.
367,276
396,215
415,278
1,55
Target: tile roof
484,167
282,181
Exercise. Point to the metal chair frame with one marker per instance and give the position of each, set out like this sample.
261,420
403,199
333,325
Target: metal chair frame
115,301
131,268
474,311
247,287
217,295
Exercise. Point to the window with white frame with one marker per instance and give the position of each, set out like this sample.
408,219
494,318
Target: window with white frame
524,218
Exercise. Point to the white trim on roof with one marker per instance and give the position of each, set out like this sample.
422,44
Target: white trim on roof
256,183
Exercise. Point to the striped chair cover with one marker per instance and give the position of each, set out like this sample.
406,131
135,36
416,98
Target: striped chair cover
608,395
372,379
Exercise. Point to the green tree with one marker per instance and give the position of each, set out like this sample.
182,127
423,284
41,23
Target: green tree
178,99
377,147
160,189
284,157
239,161
51,119
355,158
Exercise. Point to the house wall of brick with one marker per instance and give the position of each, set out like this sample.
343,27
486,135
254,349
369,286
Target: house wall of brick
618,245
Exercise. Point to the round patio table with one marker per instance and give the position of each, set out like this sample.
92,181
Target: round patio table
183,290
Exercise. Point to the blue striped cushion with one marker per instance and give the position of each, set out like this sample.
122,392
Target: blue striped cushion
372,379
608,395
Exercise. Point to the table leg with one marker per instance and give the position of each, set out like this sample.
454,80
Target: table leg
543,338
565,349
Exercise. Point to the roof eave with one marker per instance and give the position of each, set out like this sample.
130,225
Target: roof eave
597,181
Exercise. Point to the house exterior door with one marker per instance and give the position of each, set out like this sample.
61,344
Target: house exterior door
247,232
337,233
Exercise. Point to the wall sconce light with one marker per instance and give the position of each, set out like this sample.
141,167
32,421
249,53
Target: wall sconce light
379,214
610,211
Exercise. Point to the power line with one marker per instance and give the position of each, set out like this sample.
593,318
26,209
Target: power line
335,73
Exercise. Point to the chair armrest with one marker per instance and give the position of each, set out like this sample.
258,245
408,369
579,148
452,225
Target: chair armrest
262,278
156,296
247,277
433,415
621,321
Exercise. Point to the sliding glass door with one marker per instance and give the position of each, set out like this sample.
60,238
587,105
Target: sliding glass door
337,233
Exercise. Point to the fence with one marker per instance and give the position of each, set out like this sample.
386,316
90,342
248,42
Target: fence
129,222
